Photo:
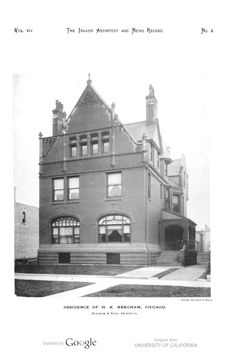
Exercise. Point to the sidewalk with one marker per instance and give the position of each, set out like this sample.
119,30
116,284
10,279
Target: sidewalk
189,273
184,277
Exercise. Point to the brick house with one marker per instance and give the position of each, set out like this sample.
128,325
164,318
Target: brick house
109,192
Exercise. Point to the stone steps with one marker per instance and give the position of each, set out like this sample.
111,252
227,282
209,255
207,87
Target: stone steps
167,257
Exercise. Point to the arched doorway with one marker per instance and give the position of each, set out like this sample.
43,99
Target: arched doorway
174,237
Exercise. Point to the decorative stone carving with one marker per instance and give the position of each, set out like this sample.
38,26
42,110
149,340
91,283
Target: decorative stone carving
88,97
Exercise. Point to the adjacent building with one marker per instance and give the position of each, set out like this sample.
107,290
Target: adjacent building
26,231
110,192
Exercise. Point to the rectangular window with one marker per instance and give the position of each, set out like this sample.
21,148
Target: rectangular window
176,203
151,153
55,235
161,190
64,258
113,258
66,235
149,186
167,199
73,147
73,188
76,235
23,217
94,144
105,142
114,184
158,161
58,189
166,170
83,145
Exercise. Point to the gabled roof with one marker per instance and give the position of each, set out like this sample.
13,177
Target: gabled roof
89,96
150,130
176,165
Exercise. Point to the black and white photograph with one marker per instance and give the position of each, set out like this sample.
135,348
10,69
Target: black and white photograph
112,199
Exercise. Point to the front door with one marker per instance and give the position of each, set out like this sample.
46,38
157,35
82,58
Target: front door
173,237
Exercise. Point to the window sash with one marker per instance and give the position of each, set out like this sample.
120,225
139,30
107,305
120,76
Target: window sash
65,231
94,148
108,224
58,184
84,149
73,150
73,182
105,147
114,179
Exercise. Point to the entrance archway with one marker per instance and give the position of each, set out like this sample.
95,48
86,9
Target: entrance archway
174,237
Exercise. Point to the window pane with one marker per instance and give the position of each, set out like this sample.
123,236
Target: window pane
114,179
114,227
74,194
126,220
66,231
102,238
55,231
59,195
105,147
73,182
76,239
126,229
175,199
94,148
84,149
102,229
73,151
76,231
114,191
127,237
59,183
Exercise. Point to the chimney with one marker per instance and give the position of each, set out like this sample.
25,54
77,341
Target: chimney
58,120
151,105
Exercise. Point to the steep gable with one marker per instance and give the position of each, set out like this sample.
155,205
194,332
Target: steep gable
90,112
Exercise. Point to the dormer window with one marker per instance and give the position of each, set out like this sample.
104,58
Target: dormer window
83,145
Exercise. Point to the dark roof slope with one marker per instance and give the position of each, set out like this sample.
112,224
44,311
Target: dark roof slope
150,130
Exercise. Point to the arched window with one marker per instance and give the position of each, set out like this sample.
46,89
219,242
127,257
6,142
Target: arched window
65,230
114,228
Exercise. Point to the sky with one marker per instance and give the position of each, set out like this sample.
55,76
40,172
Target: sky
177,63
